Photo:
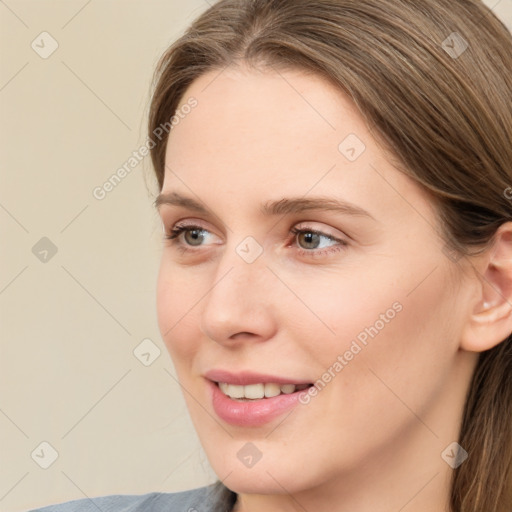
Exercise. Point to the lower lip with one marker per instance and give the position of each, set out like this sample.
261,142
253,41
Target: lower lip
251,413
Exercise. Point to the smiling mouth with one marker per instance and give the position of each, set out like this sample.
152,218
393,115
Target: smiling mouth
259,391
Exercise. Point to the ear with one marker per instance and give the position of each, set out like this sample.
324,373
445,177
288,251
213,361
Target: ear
491,319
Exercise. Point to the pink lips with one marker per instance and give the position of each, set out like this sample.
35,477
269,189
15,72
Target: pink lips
251,413
247,377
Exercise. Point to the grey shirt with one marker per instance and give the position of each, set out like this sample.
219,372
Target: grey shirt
202,499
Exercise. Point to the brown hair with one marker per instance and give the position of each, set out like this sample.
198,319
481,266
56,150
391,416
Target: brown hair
441,110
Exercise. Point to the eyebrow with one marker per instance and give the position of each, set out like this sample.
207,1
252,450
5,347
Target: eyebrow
283,206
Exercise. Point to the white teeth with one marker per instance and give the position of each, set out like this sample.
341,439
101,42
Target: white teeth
288,388
235,391
254,391
272,390
258,391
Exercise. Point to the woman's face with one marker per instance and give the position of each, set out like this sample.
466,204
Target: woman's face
367,306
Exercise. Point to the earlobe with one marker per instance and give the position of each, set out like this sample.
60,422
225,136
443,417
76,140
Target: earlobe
490,321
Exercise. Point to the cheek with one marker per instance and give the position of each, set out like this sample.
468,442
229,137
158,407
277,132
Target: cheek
391,304
396,342
397,317
176,296
344,307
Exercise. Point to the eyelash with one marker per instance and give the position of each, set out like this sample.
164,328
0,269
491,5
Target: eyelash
311,253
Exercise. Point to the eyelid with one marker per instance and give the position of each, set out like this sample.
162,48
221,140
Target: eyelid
300,225
306,226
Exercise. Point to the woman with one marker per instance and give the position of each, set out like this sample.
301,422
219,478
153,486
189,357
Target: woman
335,289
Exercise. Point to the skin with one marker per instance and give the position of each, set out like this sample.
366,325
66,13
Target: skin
371,440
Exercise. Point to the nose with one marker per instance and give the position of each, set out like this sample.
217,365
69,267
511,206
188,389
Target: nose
238,305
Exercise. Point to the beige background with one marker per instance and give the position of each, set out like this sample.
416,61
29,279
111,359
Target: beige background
70,323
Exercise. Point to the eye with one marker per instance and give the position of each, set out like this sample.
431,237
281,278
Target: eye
312,236
197,235
194,235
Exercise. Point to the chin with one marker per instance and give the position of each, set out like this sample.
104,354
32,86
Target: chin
270,475
247,482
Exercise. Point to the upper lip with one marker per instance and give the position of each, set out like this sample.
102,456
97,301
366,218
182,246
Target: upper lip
247,377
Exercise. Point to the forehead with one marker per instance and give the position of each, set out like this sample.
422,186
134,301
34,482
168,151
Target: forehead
281,124
271,133
265,111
